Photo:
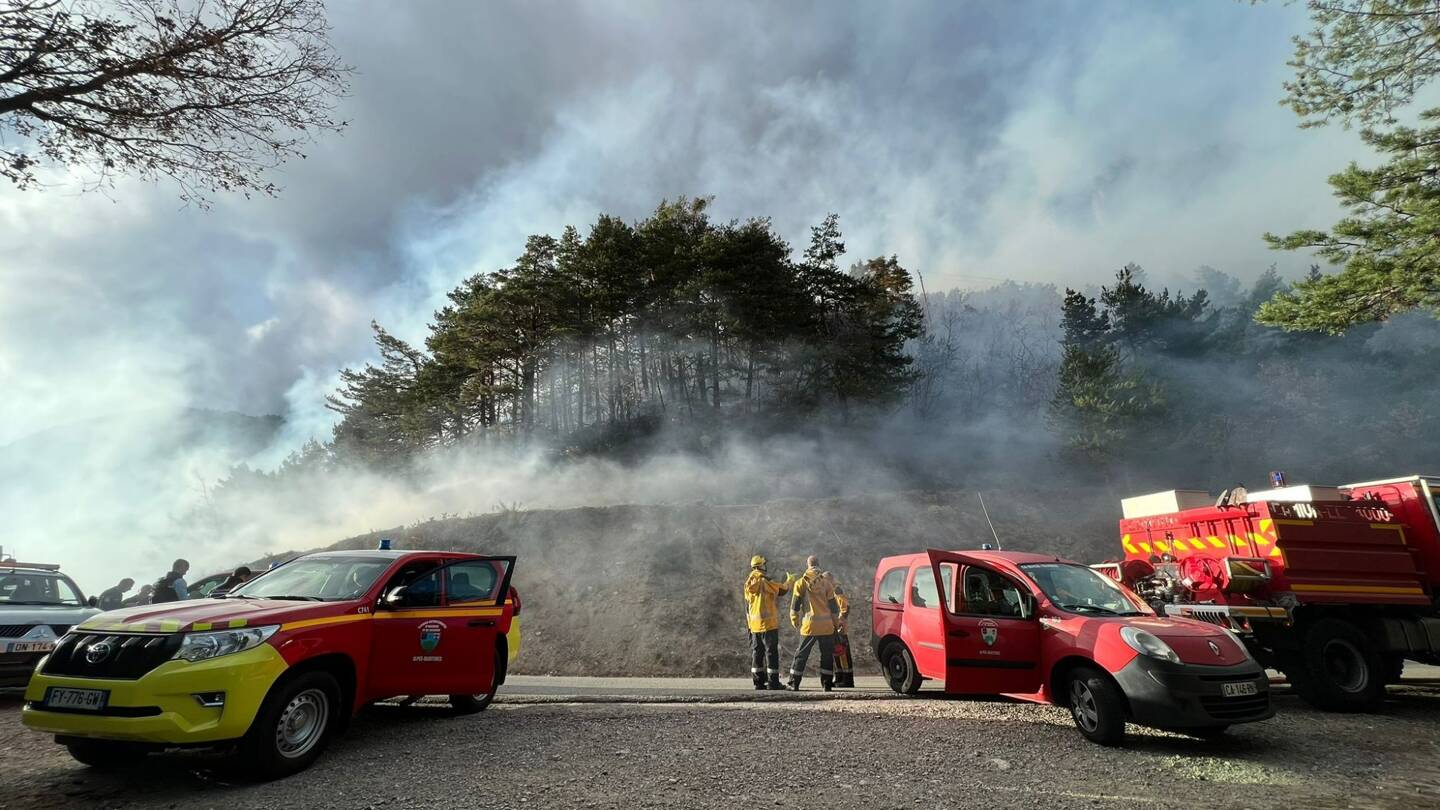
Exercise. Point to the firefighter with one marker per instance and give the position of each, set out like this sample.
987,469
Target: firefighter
816,613
844,666
762,617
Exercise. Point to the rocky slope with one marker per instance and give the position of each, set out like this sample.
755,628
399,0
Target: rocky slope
655,590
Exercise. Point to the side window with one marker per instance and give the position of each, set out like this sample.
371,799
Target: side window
986,593
422,584
472,581
892,587
923,592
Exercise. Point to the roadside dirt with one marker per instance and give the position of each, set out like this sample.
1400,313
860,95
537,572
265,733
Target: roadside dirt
929,752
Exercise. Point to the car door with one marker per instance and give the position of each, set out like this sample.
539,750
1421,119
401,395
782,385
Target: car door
405,655
990,629
475,616
921,629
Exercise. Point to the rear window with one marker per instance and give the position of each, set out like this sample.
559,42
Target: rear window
38,589
892,587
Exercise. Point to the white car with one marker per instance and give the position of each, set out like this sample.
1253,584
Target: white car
37,605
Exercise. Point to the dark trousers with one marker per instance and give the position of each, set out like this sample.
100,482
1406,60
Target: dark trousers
827,657
765,656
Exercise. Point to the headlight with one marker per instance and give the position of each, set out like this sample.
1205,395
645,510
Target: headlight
1148,644
204,646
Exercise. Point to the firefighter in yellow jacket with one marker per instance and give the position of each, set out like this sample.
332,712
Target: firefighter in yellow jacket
762,616
816,613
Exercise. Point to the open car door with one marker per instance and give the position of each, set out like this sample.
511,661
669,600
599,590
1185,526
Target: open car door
991,632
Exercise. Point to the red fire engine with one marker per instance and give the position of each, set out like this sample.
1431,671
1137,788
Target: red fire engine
1334,586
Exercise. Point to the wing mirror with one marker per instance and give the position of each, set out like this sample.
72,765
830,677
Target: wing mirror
395,598
93,601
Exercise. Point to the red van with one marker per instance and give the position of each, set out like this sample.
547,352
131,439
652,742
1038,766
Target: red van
1046,630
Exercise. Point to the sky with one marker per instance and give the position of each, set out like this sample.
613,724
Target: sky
1039,141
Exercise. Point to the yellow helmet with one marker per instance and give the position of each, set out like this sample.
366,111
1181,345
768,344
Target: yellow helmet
757,561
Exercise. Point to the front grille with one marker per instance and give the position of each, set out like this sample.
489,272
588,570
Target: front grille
14,630
1236,708
1243,676
126,656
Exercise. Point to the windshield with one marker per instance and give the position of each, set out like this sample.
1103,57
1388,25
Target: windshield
38,589
1082,590
319,579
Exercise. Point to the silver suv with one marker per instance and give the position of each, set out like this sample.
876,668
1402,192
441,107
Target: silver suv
37,605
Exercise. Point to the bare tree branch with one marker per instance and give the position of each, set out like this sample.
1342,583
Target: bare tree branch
209,93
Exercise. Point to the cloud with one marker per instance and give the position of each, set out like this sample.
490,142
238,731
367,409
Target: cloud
1045,143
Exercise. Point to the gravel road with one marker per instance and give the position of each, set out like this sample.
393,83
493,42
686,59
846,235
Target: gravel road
713,749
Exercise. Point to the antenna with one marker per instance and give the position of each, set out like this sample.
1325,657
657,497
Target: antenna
993,533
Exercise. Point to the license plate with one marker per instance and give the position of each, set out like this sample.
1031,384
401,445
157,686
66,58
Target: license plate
1239,689
90,700
30,646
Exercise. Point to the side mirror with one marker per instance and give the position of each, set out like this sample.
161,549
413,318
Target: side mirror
395,598
93,601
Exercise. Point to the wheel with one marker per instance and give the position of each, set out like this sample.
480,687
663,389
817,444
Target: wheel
1096,705
105,754
470,704
1341,672
900,671
1208,733
292,727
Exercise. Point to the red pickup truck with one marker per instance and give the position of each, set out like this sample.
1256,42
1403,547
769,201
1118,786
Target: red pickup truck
278,665
1046,630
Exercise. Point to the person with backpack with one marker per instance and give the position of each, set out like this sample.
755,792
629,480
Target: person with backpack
171,587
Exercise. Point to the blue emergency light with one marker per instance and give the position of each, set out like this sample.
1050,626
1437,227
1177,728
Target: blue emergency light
1277,479
384,544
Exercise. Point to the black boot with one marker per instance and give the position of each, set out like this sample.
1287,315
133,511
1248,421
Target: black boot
775,685
794,683
826,683
759,686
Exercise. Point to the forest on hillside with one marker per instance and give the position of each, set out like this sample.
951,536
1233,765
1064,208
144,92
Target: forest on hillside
684,336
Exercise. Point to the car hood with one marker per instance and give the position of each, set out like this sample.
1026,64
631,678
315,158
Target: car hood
44,614
1196,642
212,614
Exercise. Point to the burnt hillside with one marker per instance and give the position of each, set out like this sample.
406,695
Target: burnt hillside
655,590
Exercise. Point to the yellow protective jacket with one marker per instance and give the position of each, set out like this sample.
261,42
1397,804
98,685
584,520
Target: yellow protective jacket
762,614
816,607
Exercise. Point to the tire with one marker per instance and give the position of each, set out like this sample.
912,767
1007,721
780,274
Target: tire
292,728
106,754
1340,670
1209,733
470,704
900,671
1096,705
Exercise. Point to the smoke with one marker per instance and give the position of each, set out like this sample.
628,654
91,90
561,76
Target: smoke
975,141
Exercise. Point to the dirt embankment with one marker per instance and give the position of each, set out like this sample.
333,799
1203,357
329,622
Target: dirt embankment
655,590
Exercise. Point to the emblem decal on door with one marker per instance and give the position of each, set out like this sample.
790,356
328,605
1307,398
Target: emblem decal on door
430,635
989,632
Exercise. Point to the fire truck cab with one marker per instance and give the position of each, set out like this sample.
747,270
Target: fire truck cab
1334,586
1038,628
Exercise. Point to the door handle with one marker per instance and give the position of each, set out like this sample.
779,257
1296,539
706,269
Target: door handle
960,633
482,622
